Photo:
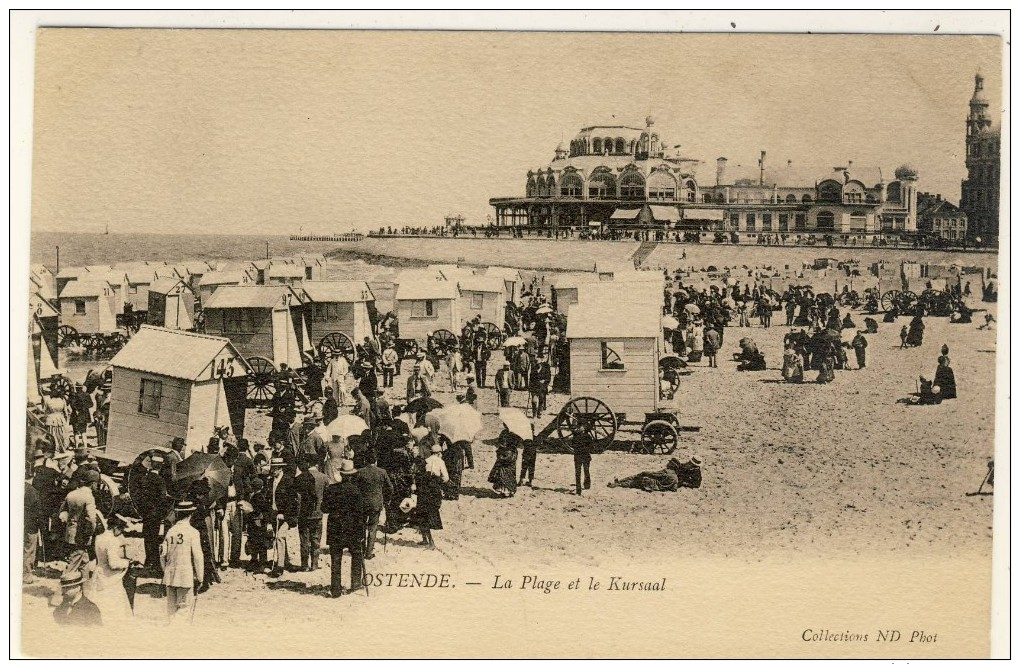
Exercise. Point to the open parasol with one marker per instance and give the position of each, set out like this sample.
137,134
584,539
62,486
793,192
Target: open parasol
692,308
517,422
512,342
459,422
347,425
544,309
422,405
672,362
670,323
201,466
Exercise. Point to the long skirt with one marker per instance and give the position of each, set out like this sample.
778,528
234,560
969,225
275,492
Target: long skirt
503,475
453,457
430,501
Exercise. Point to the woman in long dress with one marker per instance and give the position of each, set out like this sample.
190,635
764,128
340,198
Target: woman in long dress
111,564
793,366
503,476
453,458
430,495
55,420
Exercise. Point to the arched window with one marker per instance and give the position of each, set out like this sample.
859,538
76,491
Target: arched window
661,186
806,198
826,221
791,198
630,146
620,147
894,193
706,198
598,146
607,144
720,197
571,185
830,191
532,188
692,191
602,185
632,186
550,186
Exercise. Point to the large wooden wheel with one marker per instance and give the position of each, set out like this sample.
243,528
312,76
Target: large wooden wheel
493,336
659,437
67,336
261,387
590,411
407,348
907,300
338,342
444,341
890,300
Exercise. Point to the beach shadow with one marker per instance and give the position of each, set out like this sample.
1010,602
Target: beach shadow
556,490
37,591
478,492
978,493
299,587
780,381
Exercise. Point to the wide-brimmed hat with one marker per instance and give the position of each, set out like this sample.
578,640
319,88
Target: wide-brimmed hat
277,462
72,579
184,507
347,467
696,461
436,448
178,441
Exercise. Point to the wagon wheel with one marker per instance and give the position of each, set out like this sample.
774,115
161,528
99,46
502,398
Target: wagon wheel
659,437
409,348
889,299
908,300
260,382
444,339
338,342
67,336
588,410
493,336
672,376
114,342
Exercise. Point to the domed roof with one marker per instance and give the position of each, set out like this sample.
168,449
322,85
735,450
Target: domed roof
906,172
560,148
650,120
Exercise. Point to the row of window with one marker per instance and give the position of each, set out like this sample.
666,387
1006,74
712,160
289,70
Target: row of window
799,221
427,308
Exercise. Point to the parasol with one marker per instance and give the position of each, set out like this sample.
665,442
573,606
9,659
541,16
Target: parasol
544,309
515,341
670,323
672,362
422,405
460,422
347,425
201,466
692,308
517,422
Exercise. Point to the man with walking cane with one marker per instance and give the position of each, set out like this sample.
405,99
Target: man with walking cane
345,527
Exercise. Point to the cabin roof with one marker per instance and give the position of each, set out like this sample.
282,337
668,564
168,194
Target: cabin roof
114,276
338,291
192,267
504,273
251,297
71,273
481,284
573,279
165,285
624,319
85,288
425,287
286,271
172,353
221,277
37,302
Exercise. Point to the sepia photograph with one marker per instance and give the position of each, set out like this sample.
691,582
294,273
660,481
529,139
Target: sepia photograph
506,341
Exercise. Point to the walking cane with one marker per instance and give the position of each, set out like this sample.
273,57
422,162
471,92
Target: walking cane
991,467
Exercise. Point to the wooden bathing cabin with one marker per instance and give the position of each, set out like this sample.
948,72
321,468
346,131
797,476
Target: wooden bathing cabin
171,305
424,304
338,307
260,321
89,306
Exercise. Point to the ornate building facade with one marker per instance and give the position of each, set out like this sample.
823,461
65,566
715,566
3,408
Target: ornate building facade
979,193
623,177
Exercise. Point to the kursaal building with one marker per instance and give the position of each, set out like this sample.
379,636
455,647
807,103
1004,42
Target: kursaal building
617,177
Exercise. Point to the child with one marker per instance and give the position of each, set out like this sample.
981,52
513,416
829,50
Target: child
903,337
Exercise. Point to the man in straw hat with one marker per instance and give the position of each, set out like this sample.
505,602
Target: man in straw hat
285,507
345,527
183,562
504,385
75,609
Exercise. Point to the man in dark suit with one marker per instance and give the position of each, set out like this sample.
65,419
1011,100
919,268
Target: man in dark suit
309,485
538,384
582,441
480,355
345,527
153,505
75,609
376,488
331,407
504,385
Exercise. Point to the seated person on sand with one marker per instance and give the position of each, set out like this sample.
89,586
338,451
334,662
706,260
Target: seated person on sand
989,323
748,349
930,394
754,363
674,476
848,323
793,366
962,314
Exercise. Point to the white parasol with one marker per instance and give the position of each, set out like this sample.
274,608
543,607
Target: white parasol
346,426
517,422
544,309
692,308
670,323
515,341
459,422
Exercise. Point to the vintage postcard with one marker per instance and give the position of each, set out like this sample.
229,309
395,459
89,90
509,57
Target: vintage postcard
684,343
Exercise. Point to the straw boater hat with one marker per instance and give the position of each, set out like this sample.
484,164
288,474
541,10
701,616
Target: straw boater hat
696,461
437,448
184,507
347,467
71,580
277,462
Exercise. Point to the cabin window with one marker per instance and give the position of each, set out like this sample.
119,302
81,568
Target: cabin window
149,396
612,355
79,307
476,300
308,273
423,309
238,321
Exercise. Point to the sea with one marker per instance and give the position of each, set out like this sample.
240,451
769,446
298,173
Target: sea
78,249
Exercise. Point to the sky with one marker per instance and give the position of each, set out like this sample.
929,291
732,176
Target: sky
203,131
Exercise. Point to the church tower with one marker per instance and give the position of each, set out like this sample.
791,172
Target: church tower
979,193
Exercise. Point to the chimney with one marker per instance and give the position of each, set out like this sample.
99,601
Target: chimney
761,169
720,170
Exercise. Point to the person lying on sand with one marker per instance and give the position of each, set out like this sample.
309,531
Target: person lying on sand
675,475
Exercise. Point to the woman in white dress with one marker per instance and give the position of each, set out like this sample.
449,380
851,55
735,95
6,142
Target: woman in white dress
55,418
111,564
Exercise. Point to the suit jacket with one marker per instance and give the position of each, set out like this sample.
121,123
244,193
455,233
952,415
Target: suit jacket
151,499
309,487
244,471
330,410
417,387
347,513
80,506
285,497
181,556
376,487
82,613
